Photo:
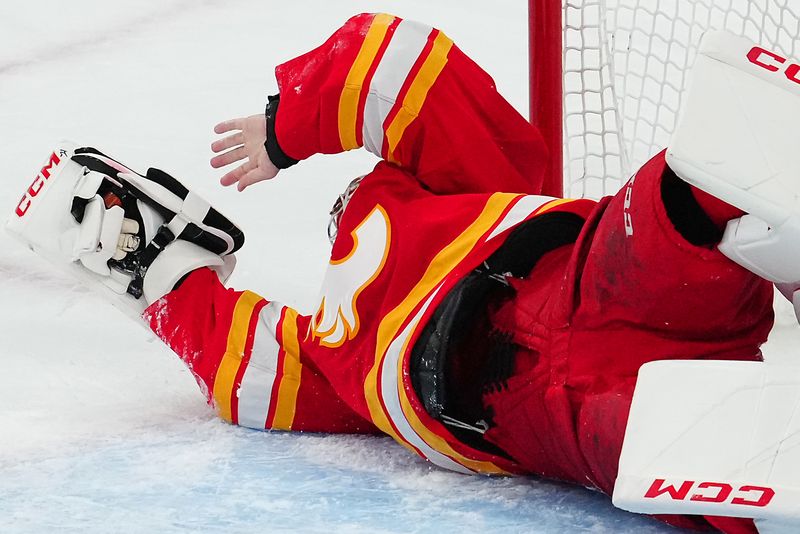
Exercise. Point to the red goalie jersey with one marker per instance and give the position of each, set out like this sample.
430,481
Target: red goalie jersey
409,329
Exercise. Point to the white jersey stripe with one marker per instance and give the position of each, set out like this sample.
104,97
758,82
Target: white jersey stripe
407,43
521,211
255,391
390,384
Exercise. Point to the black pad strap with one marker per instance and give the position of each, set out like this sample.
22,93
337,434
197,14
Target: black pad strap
87,157
163,237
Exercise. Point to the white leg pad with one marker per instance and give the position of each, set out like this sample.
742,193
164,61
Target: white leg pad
42,220
713,438
736,137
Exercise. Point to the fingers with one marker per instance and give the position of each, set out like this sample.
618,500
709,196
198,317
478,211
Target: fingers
244,176
236,174
227,158
255,175
227,126
227,142
237,145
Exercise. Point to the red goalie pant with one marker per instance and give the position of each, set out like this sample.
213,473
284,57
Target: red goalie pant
630,291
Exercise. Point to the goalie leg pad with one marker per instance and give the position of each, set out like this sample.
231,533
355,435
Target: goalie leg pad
186,214
736,140
133,235
717,438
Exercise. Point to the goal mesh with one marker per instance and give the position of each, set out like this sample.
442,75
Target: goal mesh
625,71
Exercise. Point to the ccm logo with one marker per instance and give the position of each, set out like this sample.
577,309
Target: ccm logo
774,63
37,185
713,492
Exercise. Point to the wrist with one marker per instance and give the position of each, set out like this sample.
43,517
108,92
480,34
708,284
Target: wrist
276,154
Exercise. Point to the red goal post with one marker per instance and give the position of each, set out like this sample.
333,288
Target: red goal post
607,76
547,83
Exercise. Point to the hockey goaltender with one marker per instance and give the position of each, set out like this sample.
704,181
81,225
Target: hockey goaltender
487,328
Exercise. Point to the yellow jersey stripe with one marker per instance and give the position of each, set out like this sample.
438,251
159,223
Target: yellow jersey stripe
351,93
553,204
437,270
418,92
434,440
292,369
234,352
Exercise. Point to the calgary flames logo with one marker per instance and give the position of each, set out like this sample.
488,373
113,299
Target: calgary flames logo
337,318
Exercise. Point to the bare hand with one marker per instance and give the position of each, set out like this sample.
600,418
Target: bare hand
248,140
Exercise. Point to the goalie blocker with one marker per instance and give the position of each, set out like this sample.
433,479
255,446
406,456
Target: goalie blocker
133,236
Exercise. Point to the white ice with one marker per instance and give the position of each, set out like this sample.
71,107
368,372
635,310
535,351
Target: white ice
101,427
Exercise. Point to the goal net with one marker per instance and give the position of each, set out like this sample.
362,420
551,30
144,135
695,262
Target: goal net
625,66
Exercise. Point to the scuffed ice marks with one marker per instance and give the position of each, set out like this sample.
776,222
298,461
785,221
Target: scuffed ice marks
425,497
204,475
32,44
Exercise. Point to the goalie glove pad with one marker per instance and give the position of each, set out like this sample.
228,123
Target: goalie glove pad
136,235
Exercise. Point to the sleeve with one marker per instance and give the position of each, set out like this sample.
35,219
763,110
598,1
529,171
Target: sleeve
247,356
409,95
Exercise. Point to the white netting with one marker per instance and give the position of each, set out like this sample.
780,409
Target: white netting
625,70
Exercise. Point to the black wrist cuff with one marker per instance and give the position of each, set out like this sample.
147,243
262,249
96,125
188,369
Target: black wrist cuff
274,150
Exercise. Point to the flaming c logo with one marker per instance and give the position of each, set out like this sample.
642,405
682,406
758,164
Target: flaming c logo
337,319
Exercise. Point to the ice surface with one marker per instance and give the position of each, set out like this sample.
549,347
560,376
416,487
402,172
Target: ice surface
101,428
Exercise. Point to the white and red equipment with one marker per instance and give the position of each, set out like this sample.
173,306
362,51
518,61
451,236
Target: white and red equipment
70,215
722,438
713,438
